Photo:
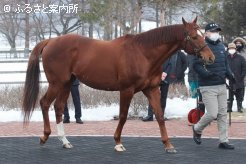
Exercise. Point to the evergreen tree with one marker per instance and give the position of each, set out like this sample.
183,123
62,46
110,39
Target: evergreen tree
234,19
230,15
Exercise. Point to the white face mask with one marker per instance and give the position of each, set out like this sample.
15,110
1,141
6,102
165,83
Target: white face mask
232,51
214,36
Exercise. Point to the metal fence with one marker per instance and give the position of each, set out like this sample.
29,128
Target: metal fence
12,73
14,54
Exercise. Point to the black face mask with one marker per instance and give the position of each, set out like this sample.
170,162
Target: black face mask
239,47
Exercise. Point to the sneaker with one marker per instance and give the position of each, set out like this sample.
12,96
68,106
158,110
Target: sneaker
65,121
240,111
229,110
225,145
79,121
196,136
147,118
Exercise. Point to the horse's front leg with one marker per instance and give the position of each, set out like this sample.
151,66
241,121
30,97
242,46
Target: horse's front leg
125,100
153,96
59,108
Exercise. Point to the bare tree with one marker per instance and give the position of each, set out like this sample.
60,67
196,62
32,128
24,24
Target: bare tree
167,9
130,12
40,26
10,23
64,22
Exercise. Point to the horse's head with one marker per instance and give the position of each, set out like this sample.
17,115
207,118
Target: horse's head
194,42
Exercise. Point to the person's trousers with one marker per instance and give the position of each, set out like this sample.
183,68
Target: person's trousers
239,94
76,102
164,92
215,101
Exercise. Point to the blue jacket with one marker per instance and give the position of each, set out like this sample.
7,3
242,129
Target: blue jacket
214,74
175,67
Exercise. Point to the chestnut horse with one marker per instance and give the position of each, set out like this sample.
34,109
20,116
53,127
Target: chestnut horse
128,64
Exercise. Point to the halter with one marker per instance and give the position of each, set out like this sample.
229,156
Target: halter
188,39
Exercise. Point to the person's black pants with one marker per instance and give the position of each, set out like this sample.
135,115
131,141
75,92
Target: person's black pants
76,102
164,92
238,93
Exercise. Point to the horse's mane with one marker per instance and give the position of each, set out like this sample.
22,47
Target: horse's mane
158,36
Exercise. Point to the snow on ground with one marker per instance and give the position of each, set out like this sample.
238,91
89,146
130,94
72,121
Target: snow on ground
176,108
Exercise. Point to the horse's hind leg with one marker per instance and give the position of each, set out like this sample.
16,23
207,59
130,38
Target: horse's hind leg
59,108
153,96
125,100
45,102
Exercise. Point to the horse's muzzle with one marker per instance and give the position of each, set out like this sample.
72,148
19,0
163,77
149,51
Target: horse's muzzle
209,60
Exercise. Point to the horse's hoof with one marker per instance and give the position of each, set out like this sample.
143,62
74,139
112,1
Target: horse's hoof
119,148
171,150
41,141
67,146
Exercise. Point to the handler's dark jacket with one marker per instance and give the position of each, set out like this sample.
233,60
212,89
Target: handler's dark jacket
237,64
214,74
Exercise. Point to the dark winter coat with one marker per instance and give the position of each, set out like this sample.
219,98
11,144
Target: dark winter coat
192,75
237,64
213,74
166,67
177,66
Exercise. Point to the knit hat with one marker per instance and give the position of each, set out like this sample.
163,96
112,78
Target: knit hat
231,45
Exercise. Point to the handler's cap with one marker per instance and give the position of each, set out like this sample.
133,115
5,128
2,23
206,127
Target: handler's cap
212,27
231,45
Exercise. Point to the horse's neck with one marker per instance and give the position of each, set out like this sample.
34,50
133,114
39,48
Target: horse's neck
162,42
158,59
163,53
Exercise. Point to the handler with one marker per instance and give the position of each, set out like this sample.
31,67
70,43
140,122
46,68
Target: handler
211,79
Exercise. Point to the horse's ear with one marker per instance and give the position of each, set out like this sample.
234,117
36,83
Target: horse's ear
195,20
184,22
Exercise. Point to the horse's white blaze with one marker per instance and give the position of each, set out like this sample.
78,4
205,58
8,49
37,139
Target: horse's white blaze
119,147
200,32
61,136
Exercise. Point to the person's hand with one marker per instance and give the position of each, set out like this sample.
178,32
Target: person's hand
163,76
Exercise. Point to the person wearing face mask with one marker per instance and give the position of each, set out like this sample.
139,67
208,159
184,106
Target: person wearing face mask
241,49
237,64
240,46
211,81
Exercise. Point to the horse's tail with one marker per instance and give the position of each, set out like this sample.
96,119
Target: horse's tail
31,88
